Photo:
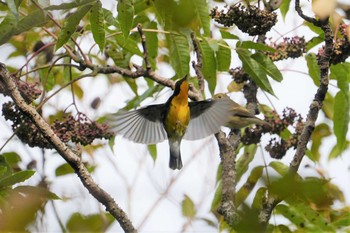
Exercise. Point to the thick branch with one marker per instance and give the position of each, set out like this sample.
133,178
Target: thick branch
228,161
72,159
305,17
316,104
315,107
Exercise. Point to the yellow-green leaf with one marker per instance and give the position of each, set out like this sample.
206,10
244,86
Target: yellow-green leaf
201,9
341,118
125,16
249,185
97,25
268,66
244,160
70,25
314,69
179,54
253,68
209,64
223,56
188,208
152,149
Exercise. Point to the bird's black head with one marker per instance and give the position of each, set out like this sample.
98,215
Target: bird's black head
179,84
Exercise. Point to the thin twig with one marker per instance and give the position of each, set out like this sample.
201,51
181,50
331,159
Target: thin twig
198,67
145,50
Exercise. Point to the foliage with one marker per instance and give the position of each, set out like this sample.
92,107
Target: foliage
61,45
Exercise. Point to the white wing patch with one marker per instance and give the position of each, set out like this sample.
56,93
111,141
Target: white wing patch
135,127
209,121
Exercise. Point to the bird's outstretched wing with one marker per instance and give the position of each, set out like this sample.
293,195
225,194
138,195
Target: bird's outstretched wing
143,125
207,117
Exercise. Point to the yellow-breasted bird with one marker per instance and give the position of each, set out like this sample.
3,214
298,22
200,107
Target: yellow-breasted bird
240,116
174,120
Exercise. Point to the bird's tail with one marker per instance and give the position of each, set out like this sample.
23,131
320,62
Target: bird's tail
175,161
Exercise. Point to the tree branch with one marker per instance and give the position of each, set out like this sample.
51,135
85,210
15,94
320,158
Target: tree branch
315,107
198,67
72,159
228,148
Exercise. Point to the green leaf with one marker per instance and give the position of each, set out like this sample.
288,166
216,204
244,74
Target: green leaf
314,68
342,221
7,28
228,35
209,64
279,167
152,149
249,185
3,170
188,208
135,102
341,73
13,6
303,215
253,68
128,44
223,56
141,6
179,54
34,19
259,197
12,158
268,66
284,8
89,223
314,42
125,16
70,25
244,160
16,178
97,25
328,106
111,143
64,169
37,191
217,198
70,5
313,28
341,118
132,84
256,46
321,131
337,151
201,9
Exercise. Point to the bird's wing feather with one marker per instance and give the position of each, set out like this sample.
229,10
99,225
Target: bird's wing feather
144,125
207,117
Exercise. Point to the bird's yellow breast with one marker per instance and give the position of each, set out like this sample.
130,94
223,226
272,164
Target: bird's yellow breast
178,115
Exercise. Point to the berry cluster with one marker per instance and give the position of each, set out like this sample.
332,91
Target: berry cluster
278,149
250,20
28,91
341,47
80,130
25,129
278,125
290,48
238,75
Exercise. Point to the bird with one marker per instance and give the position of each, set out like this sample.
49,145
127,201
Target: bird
174,120
240,116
